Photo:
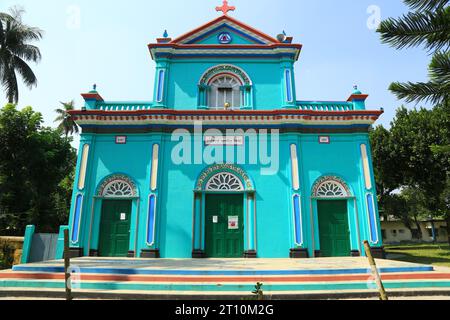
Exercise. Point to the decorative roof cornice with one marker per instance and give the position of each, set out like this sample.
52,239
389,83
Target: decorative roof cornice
92,96
176,50
361,97
224,118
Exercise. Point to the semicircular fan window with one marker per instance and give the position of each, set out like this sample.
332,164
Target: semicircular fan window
224,182
118,189
331,189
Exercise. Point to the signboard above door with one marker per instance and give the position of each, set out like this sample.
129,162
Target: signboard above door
224,141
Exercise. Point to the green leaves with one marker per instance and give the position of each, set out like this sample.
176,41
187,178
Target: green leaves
407,157
426,4
16,51
429,26
439,70
419,91
430,29
36,168
66,123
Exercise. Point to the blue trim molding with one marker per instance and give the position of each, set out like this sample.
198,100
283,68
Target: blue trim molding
160,94
77,218
151,221
289,96
372,219
298,220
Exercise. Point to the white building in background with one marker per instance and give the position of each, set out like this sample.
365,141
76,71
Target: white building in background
395,231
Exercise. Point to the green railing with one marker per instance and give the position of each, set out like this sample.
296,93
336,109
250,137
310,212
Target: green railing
302,105
124,106
325,106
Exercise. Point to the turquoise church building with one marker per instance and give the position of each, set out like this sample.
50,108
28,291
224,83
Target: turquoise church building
225,162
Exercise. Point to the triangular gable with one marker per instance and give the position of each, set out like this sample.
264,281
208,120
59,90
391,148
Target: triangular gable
247,34
221,33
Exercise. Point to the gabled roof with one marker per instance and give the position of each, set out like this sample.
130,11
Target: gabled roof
197,43
225,21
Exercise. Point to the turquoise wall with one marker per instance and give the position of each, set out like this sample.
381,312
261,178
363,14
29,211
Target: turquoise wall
266,75
274,213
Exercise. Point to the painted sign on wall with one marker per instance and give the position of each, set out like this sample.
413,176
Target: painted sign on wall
224,141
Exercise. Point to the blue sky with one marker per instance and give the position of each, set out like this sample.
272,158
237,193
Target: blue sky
107,46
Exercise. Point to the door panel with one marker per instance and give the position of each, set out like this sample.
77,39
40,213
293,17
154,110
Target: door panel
334,229
222,241
115,228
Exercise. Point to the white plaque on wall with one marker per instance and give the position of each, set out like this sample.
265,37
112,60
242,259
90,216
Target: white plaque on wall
224,141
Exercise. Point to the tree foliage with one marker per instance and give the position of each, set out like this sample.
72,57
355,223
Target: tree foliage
428,25
36,170
65,120
407,158
16,51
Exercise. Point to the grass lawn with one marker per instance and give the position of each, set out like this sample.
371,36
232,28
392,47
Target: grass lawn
431,254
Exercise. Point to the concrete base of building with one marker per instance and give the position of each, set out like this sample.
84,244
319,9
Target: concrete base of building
93,253
378,253
76,252
355,253
198,254
250,254
299,253
150,254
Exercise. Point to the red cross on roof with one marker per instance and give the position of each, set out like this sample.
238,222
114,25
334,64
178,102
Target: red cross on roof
225,8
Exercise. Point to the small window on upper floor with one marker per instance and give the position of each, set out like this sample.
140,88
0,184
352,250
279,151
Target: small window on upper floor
225,91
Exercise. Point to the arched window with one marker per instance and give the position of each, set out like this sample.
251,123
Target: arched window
224,181
225,89
117,187
331,187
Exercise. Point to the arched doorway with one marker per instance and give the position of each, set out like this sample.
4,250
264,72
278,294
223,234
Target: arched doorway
224,214
117,194
224,217
332,196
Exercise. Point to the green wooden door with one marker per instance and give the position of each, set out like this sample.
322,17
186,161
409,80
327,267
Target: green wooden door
224,226
115,228
334,229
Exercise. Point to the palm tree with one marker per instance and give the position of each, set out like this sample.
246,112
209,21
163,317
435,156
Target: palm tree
16,51
66,122
427,25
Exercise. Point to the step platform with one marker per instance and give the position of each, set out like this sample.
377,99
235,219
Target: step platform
195,279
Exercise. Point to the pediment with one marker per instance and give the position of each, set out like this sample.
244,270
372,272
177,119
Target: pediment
225,30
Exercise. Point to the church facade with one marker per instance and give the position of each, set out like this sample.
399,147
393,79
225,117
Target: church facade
225,162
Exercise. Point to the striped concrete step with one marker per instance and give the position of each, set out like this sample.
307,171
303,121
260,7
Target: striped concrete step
214,279
31,294
135,271
269,288
224,279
